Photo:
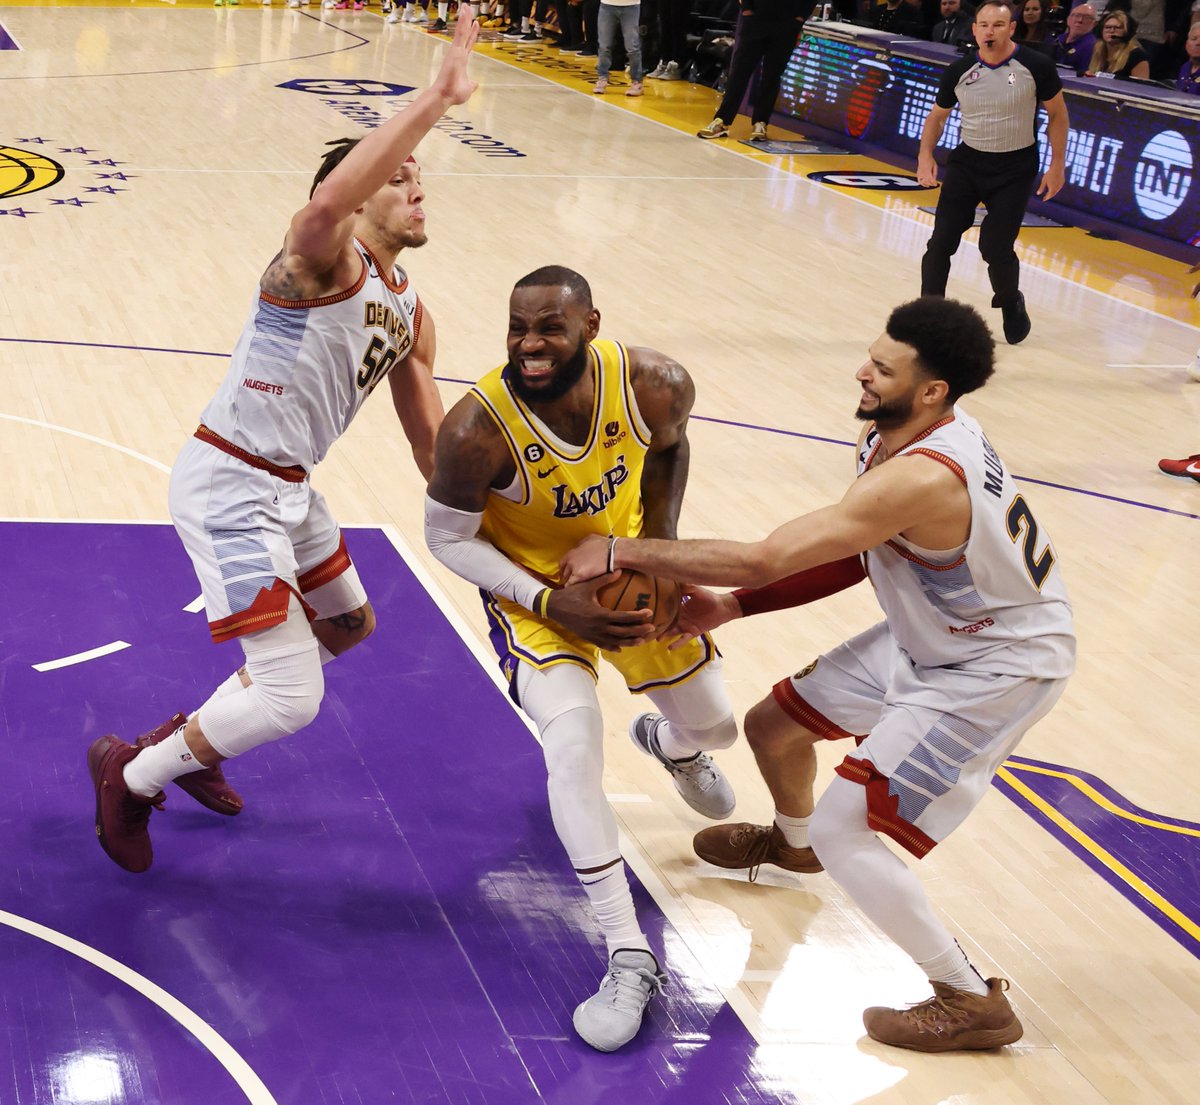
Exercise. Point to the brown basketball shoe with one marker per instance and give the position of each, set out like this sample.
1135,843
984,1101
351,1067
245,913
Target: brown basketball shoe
209,787
951,1020
742,845
122,817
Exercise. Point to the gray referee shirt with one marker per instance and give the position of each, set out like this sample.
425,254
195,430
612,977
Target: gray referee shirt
999,103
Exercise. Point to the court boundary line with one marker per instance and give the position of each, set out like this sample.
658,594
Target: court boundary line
208,1037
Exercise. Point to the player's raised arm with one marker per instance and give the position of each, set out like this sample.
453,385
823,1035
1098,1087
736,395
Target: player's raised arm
322,228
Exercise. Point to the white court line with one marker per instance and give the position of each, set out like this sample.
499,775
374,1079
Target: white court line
82,657
669,902
207,1036
195,606
89,437
1135,364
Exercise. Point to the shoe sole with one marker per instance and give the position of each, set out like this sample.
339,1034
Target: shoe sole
196,789
97,754
984,1039
812,869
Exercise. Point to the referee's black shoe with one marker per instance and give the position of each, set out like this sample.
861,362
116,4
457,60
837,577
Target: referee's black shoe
1016,320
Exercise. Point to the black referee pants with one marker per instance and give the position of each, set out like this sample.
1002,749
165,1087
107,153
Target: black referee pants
1002,182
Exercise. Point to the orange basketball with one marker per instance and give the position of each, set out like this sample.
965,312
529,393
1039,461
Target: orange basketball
639,591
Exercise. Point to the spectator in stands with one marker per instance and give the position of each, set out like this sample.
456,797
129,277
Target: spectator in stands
1075,45
627,15
1150,24
1119,53
767,33
900,17
955,25
672,40
1031,23
1189,76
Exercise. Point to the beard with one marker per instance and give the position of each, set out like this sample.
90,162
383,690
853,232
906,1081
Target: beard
568,374
889,414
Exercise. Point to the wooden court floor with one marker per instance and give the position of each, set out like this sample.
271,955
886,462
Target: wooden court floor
186,137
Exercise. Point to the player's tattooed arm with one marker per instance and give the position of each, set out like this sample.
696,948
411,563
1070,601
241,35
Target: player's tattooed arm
665,395
282,282
470,458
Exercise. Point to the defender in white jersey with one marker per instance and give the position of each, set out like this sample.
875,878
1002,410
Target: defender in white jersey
976,647
334,316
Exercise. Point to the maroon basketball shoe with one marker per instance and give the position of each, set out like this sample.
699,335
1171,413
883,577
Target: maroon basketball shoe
209,787
122,817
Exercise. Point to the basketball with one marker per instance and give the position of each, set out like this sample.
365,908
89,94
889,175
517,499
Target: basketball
639,591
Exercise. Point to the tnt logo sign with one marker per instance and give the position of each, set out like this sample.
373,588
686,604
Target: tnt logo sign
882,182
1163,175
331,86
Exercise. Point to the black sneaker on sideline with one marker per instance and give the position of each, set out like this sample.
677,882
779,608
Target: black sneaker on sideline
1016,321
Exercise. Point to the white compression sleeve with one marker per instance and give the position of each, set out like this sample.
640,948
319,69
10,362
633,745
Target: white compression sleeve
451,537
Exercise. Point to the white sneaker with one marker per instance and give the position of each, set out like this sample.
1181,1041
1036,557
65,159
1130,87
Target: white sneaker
611,1017
657,72
672,72
393,16
698,780
758,132
296,3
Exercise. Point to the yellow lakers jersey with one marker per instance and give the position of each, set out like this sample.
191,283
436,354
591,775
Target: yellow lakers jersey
563,492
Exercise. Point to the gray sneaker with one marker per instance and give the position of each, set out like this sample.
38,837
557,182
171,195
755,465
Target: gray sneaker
698,780
611,1017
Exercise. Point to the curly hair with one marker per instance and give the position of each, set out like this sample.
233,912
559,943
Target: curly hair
558,276
951,340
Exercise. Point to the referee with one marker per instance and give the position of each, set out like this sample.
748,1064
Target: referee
998,87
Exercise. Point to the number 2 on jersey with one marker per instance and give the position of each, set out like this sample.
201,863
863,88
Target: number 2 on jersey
1020,517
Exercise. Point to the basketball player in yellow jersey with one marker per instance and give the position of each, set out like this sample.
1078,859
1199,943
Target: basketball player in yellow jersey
575,436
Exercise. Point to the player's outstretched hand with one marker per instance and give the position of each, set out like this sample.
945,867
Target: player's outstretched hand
700,611
452,80
586,560
574,607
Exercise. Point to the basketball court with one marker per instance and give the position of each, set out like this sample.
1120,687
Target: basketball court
392,919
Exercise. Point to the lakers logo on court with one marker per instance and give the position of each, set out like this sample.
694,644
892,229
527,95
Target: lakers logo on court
23,172
34,164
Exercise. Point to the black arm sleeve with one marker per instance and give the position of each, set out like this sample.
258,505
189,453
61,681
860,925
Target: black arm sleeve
947,95
1046,80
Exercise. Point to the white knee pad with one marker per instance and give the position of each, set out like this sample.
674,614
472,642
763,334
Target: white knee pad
699,710
285,693
562,703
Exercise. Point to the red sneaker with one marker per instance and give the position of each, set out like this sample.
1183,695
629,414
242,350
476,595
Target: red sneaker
1189,466
122,817
209,786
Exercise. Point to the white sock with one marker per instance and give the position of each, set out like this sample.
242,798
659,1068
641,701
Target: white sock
794,829
612,903
954,969
154,767
443,10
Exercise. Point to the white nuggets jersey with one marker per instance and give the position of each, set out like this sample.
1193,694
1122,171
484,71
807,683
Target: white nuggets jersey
301,370
1000,605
